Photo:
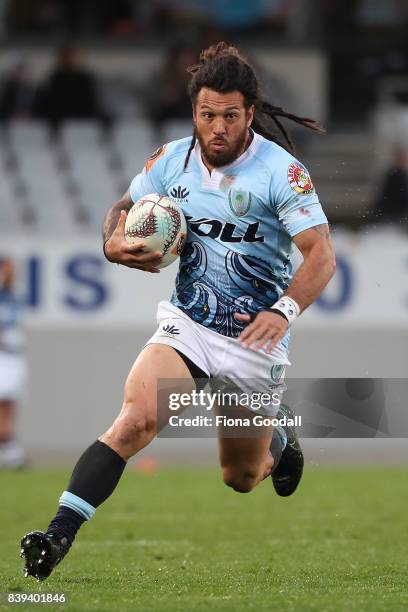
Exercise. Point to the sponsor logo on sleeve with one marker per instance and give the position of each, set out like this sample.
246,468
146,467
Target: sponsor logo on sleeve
154,157
299,179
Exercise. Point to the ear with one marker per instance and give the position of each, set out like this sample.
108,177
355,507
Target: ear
250,115
194,115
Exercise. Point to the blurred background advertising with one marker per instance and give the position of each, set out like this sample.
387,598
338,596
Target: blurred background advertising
89,89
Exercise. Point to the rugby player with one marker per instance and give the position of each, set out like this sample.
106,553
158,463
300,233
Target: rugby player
246,199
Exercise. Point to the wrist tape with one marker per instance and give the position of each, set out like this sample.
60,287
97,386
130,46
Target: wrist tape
287,307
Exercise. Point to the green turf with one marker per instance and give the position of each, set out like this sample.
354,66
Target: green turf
180,540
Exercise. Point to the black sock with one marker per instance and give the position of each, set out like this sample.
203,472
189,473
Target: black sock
93,480
96,474
66,523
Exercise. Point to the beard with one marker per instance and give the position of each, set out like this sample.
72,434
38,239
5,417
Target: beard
228,154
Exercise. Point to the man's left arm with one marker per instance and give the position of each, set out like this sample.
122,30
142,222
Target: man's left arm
318,267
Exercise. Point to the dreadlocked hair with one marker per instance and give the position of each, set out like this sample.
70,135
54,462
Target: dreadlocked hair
222,68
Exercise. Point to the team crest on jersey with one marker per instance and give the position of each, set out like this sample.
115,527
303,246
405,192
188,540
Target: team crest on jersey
239,201
154,157
299,179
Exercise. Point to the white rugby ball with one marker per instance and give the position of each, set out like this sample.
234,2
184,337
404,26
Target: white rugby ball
159,222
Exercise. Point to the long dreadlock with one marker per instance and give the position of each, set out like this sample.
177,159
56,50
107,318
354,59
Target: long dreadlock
222,68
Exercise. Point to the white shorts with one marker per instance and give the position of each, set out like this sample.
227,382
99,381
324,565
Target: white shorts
220,357
13,375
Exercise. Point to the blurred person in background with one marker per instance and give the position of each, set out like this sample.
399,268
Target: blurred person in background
71,90
17,92
12,367
166,92
392,202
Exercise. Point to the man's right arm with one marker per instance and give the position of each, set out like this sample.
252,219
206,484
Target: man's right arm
115,246
117,249
112,216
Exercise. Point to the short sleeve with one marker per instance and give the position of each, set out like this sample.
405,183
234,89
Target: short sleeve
150,179
295,199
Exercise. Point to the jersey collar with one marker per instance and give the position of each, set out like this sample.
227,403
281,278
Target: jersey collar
214,179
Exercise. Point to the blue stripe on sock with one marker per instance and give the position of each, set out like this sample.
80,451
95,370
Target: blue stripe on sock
78,504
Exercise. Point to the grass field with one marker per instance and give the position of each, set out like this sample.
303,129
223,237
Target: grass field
180,540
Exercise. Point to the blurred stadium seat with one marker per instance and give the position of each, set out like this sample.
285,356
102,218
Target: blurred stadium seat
46,196
24,135
177,129
97,189
79,135
36,175
10,219
132,143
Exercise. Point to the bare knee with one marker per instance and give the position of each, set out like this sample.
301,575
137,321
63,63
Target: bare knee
242,480
133,429
128,429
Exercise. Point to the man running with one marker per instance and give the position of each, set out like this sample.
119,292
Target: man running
246,199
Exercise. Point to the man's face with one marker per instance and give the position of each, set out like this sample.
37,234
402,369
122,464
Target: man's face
222,123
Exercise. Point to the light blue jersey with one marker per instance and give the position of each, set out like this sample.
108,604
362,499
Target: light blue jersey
241,221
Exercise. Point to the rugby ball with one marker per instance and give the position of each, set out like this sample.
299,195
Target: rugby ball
159,222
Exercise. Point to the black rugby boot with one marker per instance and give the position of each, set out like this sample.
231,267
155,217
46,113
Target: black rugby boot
42,552
287,474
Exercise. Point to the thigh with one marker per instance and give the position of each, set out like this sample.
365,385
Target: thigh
136,423
156,362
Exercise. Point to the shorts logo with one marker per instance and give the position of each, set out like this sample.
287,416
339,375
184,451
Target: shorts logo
154,157
239,201
277,372
299,179
171,330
